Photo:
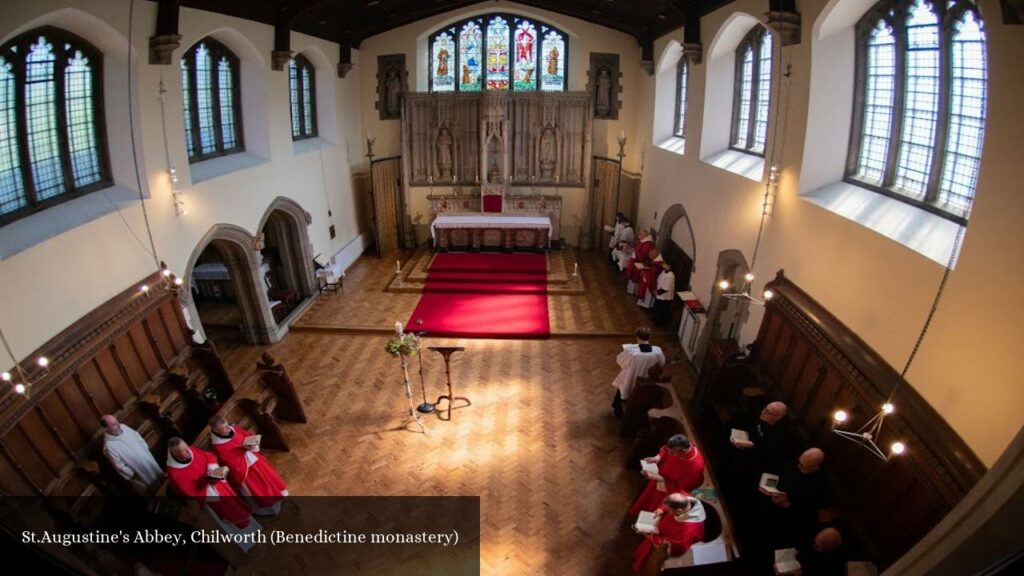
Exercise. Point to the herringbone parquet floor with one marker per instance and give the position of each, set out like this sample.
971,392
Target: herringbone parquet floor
538,445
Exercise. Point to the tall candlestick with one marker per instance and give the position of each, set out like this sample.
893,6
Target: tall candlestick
398,267
576,269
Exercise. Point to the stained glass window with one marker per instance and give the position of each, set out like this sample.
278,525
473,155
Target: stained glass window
525,70
497,52
552,79
442,63
54,150
211,100
752,98
302,96
682,77
471,50
907,143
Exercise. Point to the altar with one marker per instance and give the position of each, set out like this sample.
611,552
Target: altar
482,231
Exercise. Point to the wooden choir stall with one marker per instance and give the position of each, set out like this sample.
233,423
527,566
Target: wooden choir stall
133,357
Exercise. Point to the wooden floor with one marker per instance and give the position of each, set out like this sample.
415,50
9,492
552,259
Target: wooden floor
539,444
363,305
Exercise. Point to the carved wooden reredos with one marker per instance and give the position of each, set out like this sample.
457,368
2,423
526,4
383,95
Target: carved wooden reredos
498,138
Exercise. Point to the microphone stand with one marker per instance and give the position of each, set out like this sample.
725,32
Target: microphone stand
426,407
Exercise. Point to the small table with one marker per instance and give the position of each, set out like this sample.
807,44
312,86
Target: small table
447,352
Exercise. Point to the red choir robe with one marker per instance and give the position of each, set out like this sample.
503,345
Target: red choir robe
679,533
641,254
681,474
249,471
190,480
645,289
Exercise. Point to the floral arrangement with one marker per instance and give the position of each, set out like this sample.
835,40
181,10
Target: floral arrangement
403,344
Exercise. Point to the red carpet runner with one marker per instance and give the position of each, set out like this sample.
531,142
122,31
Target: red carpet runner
484,296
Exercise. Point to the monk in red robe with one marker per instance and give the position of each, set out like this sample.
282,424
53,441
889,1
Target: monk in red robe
250,472
641,255
645,288
680,469
680,524
189,470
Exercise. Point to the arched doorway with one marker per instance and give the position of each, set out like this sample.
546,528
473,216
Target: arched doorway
226,292
286,256
725,315
677,244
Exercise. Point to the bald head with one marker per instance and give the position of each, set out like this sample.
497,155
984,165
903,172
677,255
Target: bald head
827,540
677,502
773,412
811,460
111,425
179,449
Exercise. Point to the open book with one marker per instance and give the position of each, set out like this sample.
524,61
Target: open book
769,483
253,442
649,467
220,472
646,523
786,562
639,265
739,435
608,228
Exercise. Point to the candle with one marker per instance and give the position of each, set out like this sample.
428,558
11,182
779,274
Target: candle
575,268
398,267
398,328
622,134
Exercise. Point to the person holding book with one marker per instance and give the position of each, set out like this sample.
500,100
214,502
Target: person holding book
196,474
678,522
635,361
761,445
639,261
792,505
678,467
665,292
250,472
645,288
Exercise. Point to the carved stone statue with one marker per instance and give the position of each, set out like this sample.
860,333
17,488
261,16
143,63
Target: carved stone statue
393,93
494,175
603,96
444,153
548,153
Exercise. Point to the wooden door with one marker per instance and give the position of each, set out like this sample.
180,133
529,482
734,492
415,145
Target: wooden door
604,192
388,205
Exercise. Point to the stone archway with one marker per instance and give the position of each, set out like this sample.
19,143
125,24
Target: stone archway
288,225
237,248
725,315
669,219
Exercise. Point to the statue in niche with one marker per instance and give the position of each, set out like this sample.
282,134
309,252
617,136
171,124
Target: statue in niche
444,153
548,153
603,100
393,93
494,175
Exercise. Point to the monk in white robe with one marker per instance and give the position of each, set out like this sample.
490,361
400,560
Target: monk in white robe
129,454
635,361
250,473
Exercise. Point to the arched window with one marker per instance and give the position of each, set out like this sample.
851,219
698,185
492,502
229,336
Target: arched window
52,136
919,110
213,109
682,76
753,91
302,94
498,52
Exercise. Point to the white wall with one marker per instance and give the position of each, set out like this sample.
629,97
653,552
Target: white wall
968,367
50,285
